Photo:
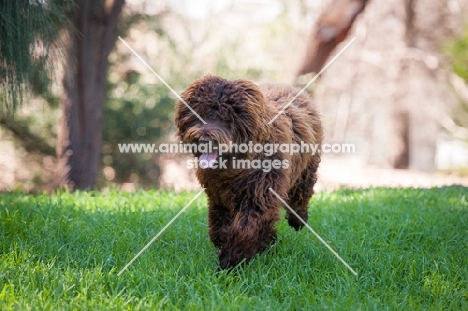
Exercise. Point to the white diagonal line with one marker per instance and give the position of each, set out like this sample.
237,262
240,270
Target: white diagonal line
313,79
161,79
159,233
315,233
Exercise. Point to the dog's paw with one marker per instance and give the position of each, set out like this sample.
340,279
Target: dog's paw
294,222
228,262
225,262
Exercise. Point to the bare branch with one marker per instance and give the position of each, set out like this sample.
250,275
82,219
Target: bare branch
331,28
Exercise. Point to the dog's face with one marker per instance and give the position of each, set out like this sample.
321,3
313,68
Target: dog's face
234,111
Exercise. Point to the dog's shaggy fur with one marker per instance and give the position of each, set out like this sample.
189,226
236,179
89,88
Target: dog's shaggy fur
242,210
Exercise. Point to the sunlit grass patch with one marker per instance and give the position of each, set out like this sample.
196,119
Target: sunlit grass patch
409,247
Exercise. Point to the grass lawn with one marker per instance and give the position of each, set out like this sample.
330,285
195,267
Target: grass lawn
409,247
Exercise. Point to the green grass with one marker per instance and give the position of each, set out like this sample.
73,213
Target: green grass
410,248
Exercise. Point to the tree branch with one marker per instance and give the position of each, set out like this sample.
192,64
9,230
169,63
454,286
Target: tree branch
331,28
31,142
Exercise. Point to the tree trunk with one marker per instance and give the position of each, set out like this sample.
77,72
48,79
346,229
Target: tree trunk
400,157
401,127
84,83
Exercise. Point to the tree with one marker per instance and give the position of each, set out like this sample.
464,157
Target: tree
84,83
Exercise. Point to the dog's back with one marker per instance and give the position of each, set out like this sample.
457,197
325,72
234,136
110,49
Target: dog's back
304,118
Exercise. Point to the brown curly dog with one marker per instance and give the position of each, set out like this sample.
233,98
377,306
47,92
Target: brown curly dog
242,211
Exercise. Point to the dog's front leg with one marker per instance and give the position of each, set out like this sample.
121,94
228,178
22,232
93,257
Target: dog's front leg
219,218
251,230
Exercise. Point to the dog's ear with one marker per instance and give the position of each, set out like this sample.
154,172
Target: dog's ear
256,107
184,117
196,93
253,94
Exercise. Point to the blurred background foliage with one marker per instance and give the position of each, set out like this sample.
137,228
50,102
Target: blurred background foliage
29,28
458,50
458,54
135,112
139,108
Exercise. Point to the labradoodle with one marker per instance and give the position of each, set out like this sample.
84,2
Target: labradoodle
236,120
